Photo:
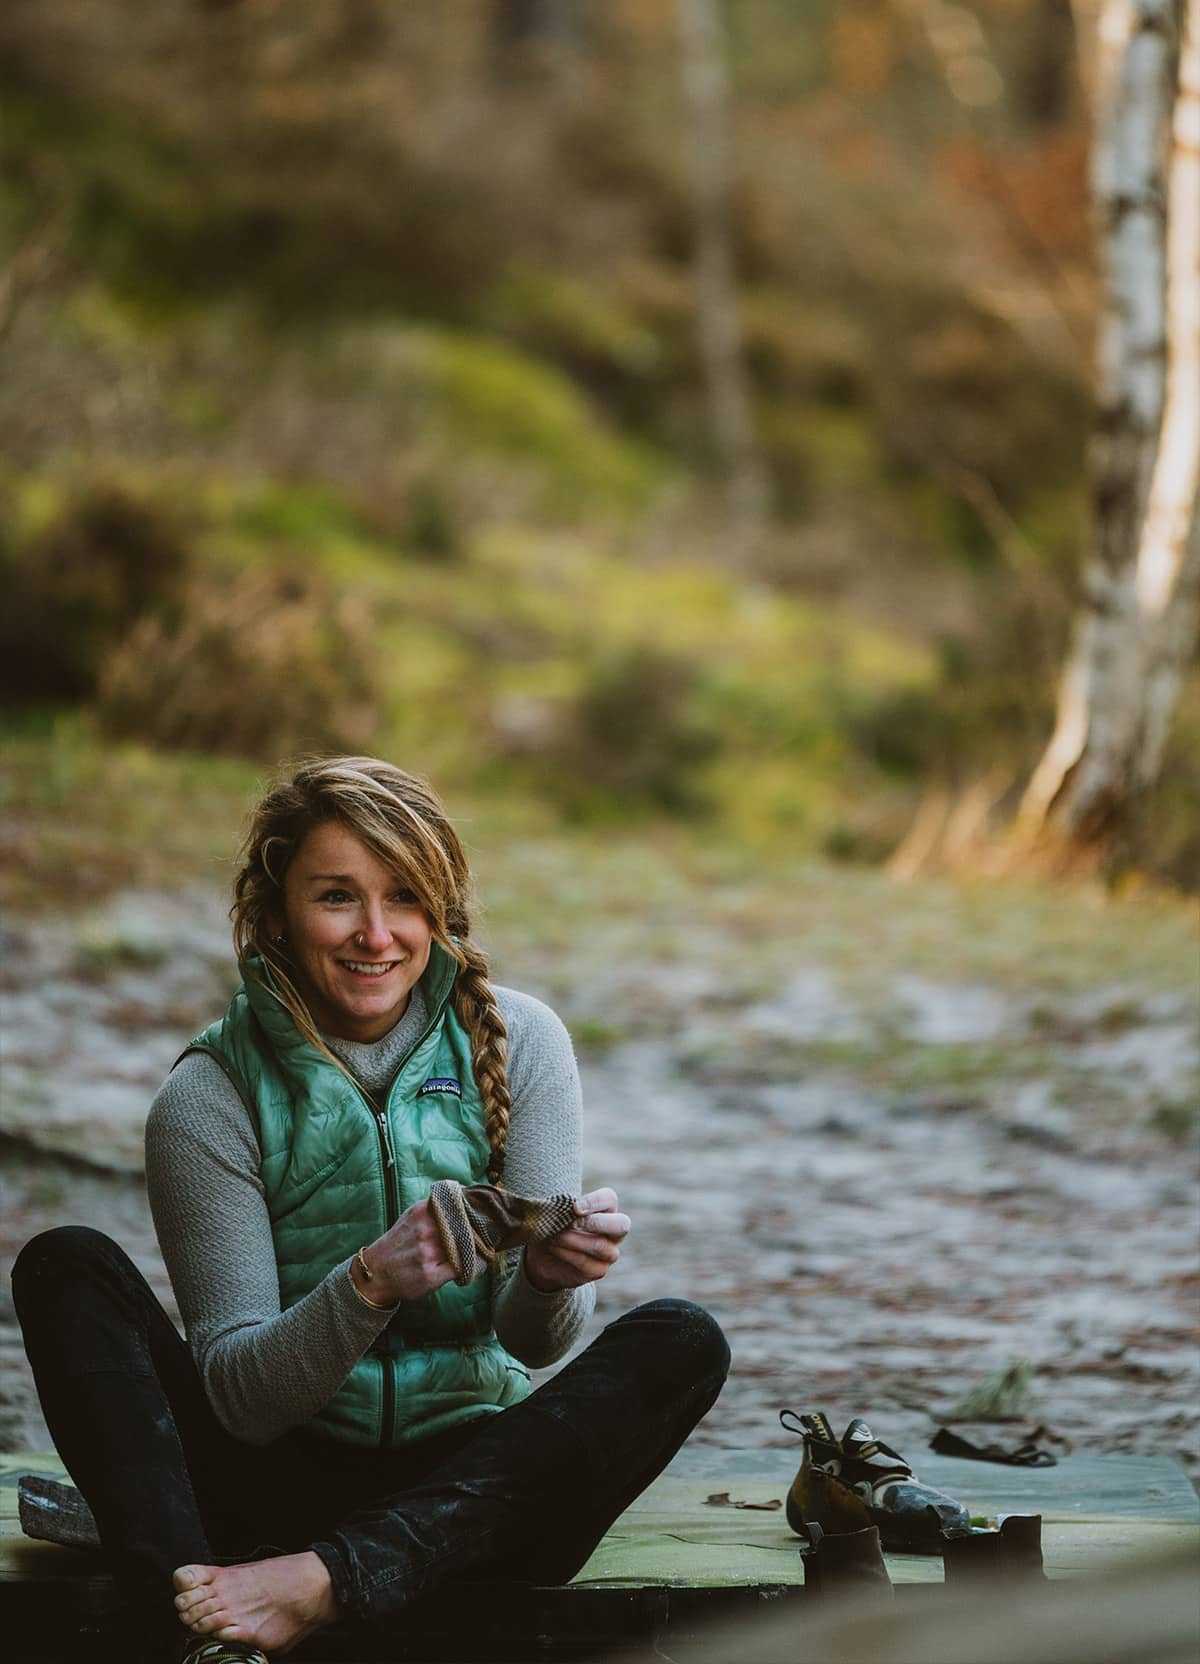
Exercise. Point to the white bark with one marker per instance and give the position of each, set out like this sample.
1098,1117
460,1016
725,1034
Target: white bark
1138,614
707,90
1168,565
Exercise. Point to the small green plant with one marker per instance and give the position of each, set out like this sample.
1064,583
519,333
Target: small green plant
591,1035
1177,1119
102,948
1003,1396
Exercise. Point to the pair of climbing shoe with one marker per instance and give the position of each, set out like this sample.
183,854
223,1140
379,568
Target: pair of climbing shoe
850,1565
855,1496
848,1484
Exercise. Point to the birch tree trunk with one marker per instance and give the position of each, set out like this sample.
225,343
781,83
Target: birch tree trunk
1138,616
707,92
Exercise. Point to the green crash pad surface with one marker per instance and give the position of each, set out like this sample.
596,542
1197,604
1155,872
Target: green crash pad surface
674,1552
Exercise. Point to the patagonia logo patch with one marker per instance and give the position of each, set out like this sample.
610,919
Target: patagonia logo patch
441,1083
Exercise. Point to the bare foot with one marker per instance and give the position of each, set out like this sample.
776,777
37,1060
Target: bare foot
270,1603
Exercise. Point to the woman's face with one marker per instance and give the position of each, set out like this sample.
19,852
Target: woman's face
359,941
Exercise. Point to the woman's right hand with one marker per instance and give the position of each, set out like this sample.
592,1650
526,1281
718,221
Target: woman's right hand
407,1262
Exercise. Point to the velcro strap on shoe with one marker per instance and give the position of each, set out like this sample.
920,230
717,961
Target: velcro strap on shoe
818,1426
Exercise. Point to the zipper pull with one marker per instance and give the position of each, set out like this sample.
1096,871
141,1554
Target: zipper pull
385,1132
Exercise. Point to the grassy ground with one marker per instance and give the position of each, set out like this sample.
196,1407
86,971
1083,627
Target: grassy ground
83,819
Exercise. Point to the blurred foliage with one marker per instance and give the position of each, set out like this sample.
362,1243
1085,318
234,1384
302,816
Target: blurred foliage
272,662
352,397
80,585
632,738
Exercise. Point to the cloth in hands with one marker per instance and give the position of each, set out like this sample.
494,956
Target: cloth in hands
477,1222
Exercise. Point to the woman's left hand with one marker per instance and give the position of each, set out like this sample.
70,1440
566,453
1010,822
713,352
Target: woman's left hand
585,1251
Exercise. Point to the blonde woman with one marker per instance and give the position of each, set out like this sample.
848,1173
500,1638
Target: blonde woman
350,1423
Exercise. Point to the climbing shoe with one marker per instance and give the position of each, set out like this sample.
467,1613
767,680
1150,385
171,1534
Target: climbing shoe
204,1649
846,1484
844,1565
1013,1554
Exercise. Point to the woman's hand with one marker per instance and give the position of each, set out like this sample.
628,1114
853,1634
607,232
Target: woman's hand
585,1251
406,1262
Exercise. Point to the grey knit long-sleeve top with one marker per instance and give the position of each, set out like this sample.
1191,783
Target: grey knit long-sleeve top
265,1369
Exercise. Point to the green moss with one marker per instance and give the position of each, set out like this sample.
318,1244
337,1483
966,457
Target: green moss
963,1065
1178,1119
574,320
502,400
309,515
204,412
838,448
102,949
594,1036
34,502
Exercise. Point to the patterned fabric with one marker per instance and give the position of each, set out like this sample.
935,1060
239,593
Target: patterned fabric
205,1651
476,1222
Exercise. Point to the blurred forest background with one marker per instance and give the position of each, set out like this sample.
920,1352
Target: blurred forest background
667,425
354,397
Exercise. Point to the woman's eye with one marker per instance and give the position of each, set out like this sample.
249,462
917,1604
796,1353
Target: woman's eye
336,896
405,898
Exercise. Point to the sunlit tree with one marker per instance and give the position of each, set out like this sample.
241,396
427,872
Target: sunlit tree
1137,619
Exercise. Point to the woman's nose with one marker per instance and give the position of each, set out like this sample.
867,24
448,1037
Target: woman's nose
375,934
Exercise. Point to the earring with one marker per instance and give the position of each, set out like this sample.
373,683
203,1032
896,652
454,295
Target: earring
279,941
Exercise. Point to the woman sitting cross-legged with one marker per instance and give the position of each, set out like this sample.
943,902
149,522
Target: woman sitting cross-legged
350,1424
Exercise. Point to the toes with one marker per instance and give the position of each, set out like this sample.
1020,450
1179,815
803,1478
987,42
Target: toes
191,1604
191,1577
203,1609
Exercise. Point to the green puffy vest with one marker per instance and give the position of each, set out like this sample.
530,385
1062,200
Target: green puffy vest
339,1171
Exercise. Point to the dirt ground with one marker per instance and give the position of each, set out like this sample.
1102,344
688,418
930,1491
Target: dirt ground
895,1141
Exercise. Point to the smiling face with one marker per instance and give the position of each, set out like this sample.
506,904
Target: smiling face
359,941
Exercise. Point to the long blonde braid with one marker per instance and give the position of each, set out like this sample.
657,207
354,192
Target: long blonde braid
474,1002
401,819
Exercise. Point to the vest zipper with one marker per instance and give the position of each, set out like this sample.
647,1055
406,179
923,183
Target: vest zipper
389,1166
387,1407
387,1402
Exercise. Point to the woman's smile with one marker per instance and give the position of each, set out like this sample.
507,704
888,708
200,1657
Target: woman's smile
358,938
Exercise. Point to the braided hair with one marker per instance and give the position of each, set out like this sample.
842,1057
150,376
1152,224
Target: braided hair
402,821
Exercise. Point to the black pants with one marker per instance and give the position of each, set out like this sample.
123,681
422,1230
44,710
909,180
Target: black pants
525,1494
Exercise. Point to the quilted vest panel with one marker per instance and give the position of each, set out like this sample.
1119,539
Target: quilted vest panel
339,1170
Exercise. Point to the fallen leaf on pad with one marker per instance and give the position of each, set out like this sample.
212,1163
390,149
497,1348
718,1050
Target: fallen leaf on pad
722,1499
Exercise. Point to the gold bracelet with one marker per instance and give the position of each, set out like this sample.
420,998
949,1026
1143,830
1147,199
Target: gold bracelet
374,1304
363,1266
